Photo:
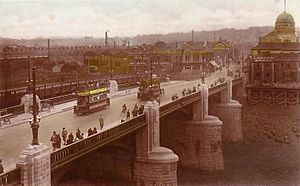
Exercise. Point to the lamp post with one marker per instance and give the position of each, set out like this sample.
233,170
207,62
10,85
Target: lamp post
151,79
111,68
34,124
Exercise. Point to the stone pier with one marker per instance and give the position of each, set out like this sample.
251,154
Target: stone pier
154,165
229,111
35,165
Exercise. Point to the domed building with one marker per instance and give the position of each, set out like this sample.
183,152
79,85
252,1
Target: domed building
276,58
284,30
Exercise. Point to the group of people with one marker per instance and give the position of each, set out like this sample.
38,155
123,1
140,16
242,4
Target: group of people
188,91
56,139
125,113
220,80
174,97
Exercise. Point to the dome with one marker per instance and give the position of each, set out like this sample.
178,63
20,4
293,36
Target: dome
285,18
285,22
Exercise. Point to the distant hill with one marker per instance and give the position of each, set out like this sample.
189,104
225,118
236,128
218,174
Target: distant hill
248,36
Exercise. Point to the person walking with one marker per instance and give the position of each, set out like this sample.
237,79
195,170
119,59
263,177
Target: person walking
94,130
128,115
64,135
141,109
70,139
58,141
77,134
101,122
90,131
53,140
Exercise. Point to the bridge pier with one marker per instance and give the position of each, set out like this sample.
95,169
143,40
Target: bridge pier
204,138
154,165
35,165
229,111
197,138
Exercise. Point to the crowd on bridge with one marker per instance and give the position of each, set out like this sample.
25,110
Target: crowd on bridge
125,113
68,138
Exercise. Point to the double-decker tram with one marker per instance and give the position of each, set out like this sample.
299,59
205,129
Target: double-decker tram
92,98
145,87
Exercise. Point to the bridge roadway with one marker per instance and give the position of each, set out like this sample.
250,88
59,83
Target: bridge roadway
14,139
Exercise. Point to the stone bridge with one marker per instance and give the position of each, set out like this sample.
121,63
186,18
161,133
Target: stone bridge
147,149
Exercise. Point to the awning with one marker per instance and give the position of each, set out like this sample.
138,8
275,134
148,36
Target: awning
213,62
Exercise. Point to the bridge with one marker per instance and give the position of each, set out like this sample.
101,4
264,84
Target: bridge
201,146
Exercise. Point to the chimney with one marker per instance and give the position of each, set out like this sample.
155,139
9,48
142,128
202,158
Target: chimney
49,49
106,39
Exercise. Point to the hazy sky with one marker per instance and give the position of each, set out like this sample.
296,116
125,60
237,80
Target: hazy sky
29,19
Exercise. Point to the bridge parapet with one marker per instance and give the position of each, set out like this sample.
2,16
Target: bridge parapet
179,103
91,143
12,177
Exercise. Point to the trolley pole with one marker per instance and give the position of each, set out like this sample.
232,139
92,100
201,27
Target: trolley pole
34,125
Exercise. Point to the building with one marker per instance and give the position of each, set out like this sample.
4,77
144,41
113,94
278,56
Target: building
276,58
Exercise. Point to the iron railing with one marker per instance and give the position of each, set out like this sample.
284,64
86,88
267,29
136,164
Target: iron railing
12,177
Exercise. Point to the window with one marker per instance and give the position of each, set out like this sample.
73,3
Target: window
196,58
268,74
257,74
117,64
288,65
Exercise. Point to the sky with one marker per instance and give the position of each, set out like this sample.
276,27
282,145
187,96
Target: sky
73,18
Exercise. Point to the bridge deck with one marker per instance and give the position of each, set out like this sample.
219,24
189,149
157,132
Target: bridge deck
10,149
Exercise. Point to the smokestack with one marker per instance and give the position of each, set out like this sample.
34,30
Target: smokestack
192,35
49,49
106,39
128,43
114,44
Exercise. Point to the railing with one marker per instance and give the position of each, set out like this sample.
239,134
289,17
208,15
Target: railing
11,178
179,103
91,143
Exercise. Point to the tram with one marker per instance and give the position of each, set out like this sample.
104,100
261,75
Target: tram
144,90
91,99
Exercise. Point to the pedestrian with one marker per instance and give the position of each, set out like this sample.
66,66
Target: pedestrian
141,109
1,167
128,115
101,122
64,135
124,108
183,92
53,140
134,111
90,131
70,139
81,136
77,134
58,141
123,116
158,100
94,130
176,96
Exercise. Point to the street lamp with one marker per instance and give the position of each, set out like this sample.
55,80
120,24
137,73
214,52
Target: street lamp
151,80
34,124
111,68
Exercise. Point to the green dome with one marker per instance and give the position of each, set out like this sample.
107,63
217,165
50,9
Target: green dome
285,18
